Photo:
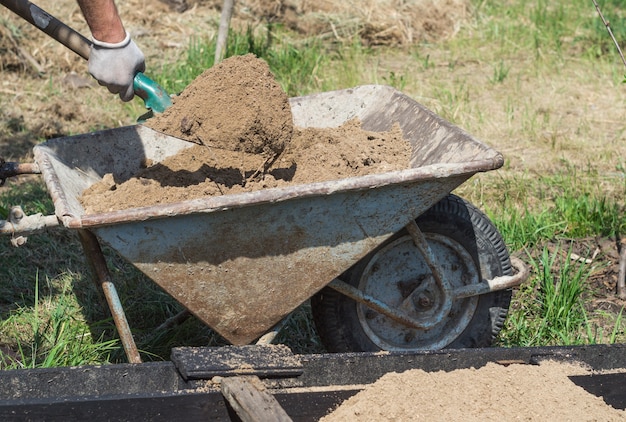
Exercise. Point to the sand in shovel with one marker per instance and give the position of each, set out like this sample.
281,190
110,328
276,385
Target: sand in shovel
236,105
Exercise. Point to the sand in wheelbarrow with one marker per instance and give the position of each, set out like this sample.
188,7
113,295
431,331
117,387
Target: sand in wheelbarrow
237,105
234,151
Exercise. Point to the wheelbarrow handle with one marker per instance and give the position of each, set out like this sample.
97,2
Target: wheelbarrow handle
154,96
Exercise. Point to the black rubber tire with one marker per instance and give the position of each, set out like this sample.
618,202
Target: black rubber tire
344,327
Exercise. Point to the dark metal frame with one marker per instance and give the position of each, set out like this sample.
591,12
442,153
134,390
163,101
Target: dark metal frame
187,387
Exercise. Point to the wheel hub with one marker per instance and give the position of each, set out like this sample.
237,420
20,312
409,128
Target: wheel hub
406,282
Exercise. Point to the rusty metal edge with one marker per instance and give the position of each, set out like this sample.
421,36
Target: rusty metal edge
218,203
53,186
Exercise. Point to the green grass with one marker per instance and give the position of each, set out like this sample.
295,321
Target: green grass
568,204
52,313
549,309
294,66
51,332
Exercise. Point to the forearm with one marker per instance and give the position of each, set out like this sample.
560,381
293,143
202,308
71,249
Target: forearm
114,59
103,20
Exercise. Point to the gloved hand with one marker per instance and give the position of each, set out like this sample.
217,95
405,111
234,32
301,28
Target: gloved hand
115,65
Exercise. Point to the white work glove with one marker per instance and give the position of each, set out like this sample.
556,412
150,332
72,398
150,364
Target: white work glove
115,65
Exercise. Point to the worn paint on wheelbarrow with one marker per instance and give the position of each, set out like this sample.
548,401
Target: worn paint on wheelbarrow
242,262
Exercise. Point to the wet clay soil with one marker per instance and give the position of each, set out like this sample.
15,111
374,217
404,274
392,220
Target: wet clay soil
244,141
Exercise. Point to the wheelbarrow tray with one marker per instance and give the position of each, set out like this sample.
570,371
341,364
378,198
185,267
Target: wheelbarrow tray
242,262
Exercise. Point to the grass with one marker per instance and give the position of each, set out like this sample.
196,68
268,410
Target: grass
480,80
549,309
60,336
568,204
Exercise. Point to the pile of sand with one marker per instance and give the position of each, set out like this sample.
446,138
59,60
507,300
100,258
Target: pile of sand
242,122
517,392
236,105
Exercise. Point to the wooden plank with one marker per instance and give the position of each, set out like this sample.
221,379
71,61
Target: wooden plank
302,405
366,368
249,398
72,382
268,360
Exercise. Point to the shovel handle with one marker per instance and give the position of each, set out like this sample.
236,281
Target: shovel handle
154,96
50,25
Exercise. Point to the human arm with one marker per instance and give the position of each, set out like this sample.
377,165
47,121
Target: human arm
114,59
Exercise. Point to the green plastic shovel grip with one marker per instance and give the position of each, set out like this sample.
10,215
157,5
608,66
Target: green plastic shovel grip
155,97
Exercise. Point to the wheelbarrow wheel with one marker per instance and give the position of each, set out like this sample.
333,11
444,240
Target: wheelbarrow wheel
467,246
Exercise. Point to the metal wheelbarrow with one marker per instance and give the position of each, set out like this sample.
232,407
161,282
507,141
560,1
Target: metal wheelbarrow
390,261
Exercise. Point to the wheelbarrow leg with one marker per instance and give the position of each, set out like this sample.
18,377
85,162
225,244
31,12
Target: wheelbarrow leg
98,264
269,337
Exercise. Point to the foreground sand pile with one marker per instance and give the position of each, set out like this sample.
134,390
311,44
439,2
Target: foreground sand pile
516,392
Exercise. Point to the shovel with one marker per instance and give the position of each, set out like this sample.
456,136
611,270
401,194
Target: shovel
153,95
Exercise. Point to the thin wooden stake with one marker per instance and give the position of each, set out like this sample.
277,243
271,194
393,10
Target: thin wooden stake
608,28
621,275
222,33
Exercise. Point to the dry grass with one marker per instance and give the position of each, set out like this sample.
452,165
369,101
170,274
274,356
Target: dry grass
376,22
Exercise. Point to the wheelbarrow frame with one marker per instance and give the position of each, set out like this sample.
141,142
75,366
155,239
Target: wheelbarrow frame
443,157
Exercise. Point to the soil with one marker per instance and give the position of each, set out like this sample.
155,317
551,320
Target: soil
242,120
312,155
494,392
236,105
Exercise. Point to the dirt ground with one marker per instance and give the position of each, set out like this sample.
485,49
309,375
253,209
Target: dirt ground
236,105
31,64
313,155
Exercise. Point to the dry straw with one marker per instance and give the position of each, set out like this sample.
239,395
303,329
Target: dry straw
376,22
